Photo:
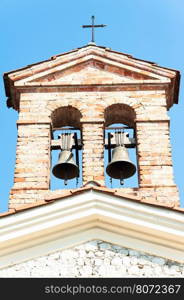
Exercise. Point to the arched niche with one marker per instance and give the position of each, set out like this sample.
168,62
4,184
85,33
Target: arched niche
119,113
120,117
66,116
66,121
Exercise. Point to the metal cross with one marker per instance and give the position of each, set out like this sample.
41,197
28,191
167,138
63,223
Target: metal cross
92,27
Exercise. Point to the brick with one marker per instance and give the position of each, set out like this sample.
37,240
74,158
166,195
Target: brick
99,178
19,179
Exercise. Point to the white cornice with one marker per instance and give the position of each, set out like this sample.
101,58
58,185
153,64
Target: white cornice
91,215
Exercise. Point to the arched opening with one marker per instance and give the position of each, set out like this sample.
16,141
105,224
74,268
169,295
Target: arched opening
66,156
120,113
66,116
120,158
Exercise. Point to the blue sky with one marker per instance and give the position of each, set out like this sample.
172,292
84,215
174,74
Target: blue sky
35,30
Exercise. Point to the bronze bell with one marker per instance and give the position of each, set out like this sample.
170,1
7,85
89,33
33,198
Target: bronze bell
120,167
65,168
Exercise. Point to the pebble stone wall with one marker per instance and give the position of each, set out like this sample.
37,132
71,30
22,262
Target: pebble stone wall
96,259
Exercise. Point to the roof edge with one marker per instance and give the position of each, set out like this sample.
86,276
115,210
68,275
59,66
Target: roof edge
61,195
8,82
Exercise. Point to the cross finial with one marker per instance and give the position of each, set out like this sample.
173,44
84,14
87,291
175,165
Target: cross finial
92,26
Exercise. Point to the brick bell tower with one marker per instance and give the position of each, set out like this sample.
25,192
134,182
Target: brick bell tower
90,88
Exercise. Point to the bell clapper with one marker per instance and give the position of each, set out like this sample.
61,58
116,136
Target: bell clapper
111,182
65,179
121,181
121,178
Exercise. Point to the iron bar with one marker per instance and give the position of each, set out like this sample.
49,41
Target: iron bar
92,26
76,150
109,147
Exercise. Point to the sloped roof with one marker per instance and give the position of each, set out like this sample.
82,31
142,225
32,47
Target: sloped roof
63,194
91,213
34,75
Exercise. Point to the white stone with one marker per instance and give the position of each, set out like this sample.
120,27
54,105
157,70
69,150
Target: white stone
126,261
80,262
106,261
90,254
158,260
82,253
103,270
98,262
175,268
87,261
134,253
117,248
66,254
74,254
116,261
165,269
111,272
123,251
86,270
108,253
99,253
133,270
104,246
91,246
173,271
134,260
63,271
158,271
78,247
148,271
123,270
143,260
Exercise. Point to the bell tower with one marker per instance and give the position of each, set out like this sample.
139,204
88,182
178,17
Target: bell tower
88,89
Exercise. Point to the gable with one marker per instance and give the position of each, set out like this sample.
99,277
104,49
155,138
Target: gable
91,69
90,65
88,74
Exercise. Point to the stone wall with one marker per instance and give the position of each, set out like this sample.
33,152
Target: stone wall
96,259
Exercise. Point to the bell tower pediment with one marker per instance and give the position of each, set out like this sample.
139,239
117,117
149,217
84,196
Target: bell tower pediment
92,65
92,69
90,73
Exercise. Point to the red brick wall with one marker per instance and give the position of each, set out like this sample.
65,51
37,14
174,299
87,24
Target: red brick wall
32,169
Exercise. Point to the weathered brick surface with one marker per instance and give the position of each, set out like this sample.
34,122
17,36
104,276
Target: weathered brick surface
98,95
32,163
93,153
